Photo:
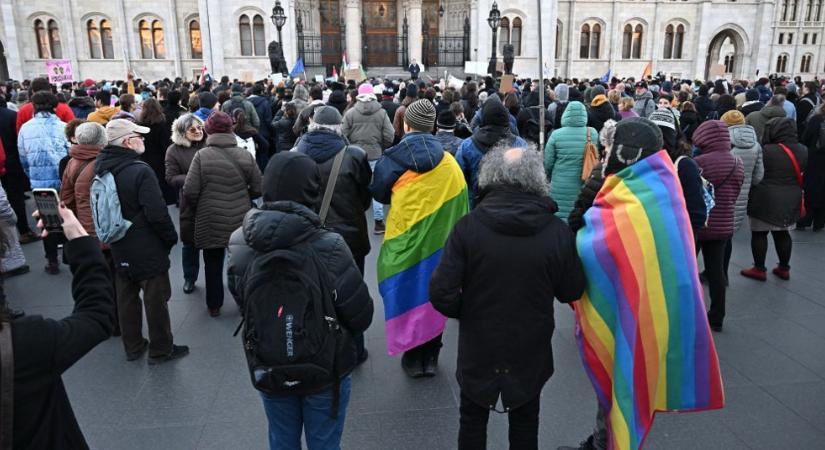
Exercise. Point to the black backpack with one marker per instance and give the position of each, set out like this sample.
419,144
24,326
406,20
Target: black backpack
291,333
532,129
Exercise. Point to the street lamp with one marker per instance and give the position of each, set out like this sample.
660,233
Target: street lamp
278,18
494,20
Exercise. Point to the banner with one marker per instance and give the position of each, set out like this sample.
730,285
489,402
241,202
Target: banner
59,70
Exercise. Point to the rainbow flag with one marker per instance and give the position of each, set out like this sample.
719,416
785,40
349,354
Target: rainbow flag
642,329
425,207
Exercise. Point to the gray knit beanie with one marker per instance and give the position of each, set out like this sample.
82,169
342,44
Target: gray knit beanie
91,133
420,115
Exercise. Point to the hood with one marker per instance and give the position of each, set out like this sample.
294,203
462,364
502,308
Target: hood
180,139
257,100
780,130
772,112
562,92
300,93
84,152
647,94
82,102
292,177
321,145
112,157
604,111
712,136
575,115
368,107
510,212
107,112
417,151
532,99
742,136
365,98
125,115
279,225
495,125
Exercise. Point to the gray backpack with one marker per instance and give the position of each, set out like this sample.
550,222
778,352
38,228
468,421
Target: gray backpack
106,213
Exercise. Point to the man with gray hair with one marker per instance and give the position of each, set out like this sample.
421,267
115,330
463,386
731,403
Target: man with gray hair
501,267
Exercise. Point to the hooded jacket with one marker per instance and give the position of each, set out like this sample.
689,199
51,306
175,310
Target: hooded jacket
601,113
203,113
760,118
367,126
42,144
725,171
103,114
179,158
144,252
263,109
82,106
417,151
501,267
776,200
493,129
747,148
218,192
351,196
237,101
75,189
645,104
564,157
556,109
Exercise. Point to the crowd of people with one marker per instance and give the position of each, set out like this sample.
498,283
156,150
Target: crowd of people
479,222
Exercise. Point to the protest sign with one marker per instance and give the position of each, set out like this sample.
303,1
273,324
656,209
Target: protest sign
59,71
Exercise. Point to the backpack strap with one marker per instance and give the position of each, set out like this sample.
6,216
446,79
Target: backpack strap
80,171
795,164
333,178
6,387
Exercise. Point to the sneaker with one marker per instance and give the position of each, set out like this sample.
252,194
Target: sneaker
18,271
52,268
131,356
379,227
755,273
178,351
782,272
29,237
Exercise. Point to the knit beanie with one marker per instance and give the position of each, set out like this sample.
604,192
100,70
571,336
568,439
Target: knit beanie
412,91
635,138
326,115
597,90
733,117
218,122
420,115
663,118
446,120
365,88
751,95
598,100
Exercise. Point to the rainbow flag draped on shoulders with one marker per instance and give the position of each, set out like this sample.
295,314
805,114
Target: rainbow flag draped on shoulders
425,207
642,328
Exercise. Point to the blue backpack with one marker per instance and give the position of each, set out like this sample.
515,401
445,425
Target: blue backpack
106,213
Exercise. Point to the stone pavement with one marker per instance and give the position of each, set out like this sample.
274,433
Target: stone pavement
772,355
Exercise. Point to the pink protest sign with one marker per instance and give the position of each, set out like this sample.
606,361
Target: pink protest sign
59,70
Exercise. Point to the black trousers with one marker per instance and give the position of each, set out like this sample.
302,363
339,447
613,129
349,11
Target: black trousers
714,256
213,272
524,425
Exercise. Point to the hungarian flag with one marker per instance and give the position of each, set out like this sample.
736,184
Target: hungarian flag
335,72
646,72
204,76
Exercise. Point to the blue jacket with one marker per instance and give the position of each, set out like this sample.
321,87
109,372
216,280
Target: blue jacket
203,113
417,151
764,93
42,144
450,141
476,122
473,149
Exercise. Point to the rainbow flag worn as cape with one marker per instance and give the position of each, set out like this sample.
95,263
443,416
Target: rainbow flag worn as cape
425,207
642,328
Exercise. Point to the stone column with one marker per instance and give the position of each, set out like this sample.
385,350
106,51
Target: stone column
14,58
174,42
761,57
352,17
415,41
474,30
67,33
701,42
210,16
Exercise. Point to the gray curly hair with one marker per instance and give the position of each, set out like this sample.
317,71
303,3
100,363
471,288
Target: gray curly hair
91,133
521,168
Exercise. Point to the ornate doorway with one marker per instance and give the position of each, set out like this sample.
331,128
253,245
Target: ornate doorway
429,31
733,45
382,45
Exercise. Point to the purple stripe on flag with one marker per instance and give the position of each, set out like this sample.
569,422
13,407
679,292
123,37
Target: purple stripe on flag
413,328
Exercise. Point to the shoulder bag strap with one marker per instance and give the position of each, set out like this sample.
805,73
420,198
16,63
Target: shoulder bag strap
333,178
732,171
795,164
6,387
80,171
678,160
235,164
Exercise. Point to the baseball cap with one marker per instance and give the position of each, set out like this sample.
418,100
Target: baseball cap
120,128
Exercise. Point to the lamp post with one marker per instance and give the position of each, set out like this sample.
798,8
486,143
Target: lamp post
278,19
494,20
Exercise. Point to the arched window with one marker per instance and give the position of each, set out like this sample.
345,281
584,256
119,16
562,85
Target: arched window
679,42
638,34
245,29
782,63
595,41
729,63
515,36
785,10
54,40
669,42
106,39
805,67
195,45
627,41
43,51
584,45
818,14
145,40
158,42
794,4
503,34
93,33
152,44
258,35
559,36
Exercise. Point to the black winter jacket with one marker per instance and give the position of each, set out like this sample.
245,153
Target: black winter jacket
352,195
501,267
144,252
284,137
280,225
45,348
263,106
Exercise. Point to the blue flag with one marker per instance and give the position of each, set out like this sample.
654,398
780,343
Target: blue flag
606,77
298,69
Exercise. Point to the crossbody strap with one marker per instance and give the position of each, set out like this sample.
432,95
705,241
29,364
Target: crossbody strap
795,164
235,164
732,171
333,178
6,387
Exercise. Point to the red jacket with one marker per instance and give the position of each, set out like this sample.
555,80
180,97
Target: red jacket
725,171
26,112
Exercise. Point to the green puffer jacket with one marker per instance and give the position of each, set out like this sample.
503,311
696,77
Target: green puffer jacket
563,157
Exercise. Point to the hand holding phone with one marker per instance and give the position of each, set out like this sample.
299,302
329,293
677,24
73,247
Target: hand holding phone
48,206
70,227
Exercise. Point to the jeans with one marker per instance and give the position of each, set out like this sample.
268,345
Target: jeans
213,272
156,293
190,259
289,414
524,425
714,256
377,207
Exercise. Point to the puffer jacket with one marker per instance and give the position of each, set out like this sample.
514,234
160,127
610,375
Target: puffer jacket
221,196
564,156
42,144
179,158
352,195
237,101
725,171
776,200
284,224
82,107
746,147
367,126
760,118
645,104
76,187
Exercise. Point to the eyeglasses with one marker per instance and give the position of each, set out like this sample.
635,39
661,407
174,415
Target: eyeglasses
195,130
139,136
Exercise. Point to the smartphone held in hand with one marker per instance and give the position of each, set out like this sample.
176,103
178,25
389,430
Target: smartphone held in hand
47,204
